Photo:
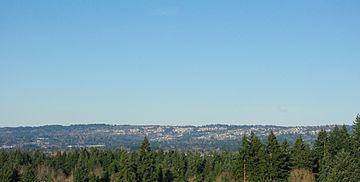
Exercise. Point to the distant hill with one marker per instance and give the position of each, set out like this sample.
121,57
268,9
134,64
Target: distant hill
200,138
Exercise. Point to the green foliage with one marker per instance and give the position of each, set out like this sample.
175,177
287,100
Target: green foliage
28,176
169,177
344,168
331,158
81,173
256,162
8,174
356,137
300,155
356,130
275,159
326,165
339,139
146,163
242,161
318,151
159,175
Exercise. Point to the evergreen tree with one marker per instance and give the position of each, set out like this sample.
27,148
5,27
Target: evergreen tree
356,130
274,158
160,175
180,165
128,168
209,173
285,160
105,177
356,138
201,169
318,151
146,163
81,169
300,155
169,177
28,176
195,161
241,170
6,173
344,168
80,173
339,139
257,162
325,165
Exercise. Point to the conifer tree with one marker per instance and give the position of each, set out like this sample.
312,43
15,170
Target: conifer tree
146,163
356,130
344,168
6,173
325,165
160,175
131,169
285,160
241,170
300,155
81,170
169,177
339,139
274,158
356,138
28,176
256,160
81,173
318,150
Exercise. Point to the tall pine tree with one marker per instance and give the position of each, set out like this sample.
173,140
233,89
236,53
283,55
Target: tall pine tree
356,138
146,163
300,155
274,158
256,160
318,151
344,168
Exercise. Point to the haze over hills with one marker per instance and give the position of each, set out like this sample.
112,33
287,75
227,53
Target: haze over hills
204,138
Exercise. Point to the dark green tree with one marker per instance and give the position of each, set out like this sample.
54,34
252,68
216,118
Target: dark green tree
318,150
241,171
344,168
339,139
160,175
81,173
300,155
274,159
9,174
356,138
146,163
169,177
356,130
325,165
128,169
256,169
28,176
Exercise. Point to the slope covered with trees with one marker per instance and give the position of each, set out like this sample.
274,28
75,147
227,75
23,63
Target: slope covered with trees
335,156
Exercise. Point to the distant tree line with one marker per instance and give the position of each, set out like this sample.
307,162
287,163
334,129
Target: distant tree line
334,157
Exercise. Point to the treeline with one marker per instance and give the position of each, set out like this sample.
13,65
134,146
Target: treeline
334,157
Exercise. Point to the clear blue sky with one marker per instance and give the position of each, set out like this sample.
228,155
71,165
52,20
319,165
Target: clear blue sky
179,62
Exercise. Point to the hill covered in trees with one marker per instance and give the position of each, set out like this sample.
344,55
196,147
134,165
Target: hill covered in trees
195,138
334,156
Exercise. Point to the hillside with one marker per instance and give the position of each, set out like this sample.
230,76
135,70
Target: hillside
208,137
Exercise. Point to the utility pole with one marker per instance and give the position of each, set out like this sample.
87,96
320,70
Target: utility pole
244,170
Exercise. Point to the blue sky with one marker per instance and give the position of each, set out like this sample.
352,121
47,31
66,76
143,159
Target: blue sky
179,62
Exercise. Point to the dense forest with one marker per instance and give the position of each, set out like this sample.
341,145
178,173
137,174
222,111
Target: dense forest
334,157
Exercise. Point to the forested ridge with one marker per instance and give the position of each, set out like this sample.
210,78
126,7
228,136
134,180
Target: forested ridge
334,157
50,138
